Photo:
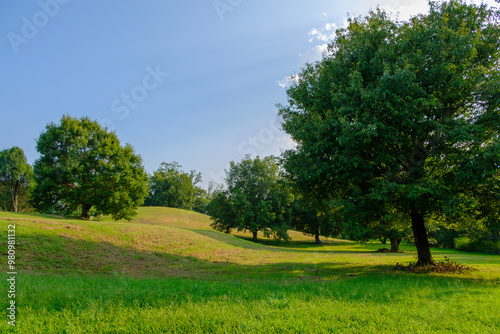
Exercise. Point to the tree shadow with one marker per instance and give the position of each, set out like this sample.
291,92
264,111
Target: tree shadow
283,246
56,254
46,254
230,239
49,255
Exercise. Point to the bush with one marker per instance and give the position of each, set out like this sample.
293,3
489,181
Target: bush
464,244
461,243
444,236
433,242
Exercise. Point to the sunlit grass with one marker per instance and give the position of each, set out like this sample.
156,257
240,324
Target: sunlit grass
167,271
379,303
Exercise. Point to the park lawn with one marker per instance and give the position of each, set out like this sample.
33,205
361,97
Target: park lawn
168,272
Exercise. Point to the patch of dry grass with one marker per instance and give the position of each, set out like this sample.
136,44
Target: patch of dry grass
171,242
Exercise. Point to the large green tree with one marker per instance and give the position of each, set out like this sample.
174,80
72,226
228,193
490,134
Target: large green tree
404,114
82,164
16,175
256,199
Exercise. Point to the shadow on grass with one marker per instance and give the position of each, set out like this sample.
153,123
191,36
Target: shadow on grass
283,246
311,247
76,293
44,254
231,239
57,254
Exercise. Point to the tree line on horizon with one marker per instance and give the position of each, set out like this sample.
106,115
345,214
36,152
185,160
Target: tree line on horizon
398,137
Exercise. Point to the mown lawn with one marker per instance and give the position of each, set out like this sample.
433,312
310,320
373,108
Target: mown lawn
167,272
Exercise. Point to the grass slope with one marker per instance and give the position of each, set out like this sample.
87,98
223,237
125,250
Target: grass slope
167,271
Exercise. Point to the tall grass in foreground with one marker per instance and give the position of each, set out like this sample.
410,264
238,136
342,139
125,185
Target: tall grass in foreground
380,303
168,272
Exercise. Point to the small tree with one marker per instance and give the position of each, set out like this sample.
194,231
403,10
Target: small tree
487,209
16,175
222,212
256,199
83,164
394,226
313,219
171,187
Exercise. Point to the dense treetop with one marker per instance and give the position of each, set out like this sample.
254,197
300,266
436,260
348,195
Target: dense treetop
83,164
405,113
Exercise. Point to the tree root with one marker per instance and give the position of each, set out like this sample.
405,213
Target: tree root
387,250
447,266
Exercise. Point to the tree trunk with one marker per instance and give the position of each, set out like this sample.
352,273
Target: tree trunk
383,240
86,210
14,190
421,240
316,236
395,244
14,201
254,237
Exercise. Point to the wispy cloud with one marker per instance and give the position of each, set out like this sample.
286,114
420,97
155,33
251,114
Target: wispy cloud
314,54
286,142
287,81
326,33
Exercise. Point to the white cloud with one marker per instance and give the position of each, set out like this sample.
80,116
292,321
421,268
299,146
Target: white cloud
404,9
284,82
314,54
287,81
330,26
287,141
400,9
326,33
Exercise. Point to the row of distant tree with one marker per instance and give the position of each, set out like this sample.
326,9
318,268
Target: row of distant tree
83,170
260,195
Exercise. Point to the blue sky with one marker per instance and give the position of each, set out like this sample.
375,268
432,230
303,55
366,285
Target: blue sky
189,81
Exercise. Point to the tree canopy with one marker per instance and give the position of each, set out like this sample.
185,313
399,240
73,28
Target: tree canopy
313,218
171,187
401,113
83,164
256,199
16,175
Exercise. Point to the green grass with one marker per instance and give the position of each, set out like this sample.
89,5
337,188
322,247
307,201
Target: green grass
167,272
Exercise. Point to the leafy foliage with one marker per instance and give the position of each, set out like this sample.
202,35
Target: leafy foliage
465,244
169,186
81,163
256,199
16,177
401,113
314,219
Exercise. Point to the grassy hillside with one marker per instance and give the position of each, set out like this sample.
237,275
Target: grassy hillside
167,271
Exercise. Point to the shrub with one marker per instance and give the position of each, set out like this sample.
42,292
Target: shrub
433,242
465,244
444,236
